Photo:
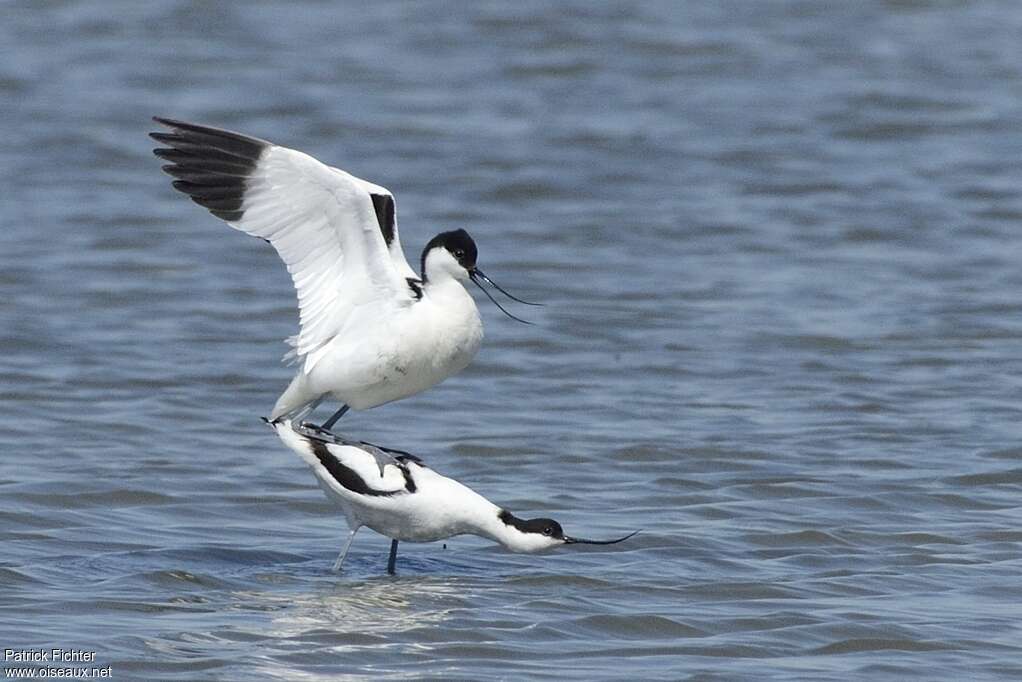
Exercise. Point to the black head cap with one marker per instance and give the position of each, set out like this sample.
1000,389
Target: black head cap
547,527
458,243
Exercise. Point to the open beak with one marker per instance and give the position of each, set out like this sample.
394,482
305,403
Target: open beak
475,274
583,541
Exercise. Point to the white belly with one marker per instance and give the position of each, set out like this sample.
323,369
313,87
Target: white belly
413,351
440,508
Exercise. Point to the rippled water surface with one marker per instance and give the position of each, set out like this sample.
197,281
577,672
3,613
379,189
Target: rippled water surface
779,244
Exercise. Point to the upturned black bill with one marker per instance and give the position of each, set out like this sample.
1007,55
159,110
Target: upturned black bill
479,273
583,541
476,275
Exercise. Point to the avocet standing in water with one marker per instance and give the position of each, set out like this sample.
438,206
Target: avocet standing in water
372,330
396,495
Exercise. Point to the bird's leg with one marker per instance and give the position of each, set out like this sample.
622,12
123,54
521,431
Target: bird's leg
344,552
393,557
333,420
297,416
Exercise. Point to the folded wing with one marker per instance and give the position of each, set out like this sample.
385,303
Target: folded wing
351,467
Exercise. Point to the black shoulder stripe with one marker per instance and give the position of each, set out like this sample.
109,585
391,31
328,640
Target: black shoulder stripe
416,286
349,479
384,205
409,483
210,165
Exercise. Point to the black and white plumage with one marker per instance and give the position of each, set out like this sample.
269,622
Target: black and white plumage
395,494
372,330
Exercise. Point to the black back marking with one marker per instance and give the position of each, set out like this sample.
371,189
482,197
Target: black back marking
547,527
313,432
384,206
409,483
318,439
350,480
403,458
210,165
345,476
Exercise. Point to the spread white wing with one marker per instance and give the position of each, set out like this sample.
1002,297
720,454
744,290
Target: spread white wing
336,234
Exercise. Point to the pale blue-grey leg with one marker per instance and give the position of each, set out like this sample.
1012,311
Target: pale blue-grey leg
297,415
333,420
344,552
393,557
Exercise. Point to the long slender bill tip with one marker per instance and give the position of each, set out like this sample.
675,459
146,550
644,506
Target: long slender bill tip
477,272
479,284
584,541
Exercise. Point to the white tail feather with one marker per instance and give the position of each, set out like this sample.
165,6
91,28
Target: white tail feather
294,398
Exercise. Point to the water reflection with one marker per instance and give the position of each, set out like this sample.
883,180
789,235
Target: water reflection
384,606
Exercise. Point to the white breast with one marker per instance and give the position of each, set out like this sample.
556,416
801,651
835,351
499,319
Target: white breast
377,360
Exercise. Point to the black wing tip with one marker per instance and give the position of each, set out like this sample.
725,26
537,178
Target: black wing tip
169,122
187,127
227,216
209,142
210,164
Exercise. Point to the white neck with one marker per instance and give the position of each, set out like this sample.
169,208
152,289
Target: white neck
491,526
442,283
475,515
455,300
440,266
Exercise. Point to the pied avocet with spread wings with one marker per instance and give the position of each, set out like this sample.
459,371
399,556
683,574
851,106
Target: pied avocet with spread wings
372,329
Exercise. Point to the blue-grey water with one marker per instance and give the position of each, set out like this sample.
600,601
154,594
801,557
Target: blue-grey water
780,245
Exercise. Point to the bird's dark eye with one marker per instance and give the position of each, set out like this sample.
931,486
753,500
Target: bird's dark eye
549,530
459,253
